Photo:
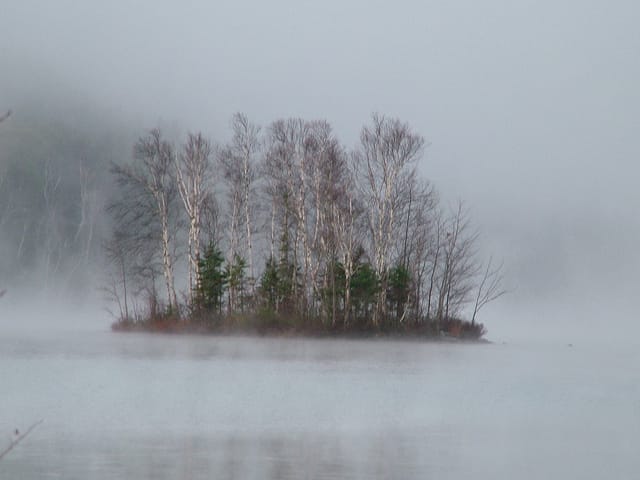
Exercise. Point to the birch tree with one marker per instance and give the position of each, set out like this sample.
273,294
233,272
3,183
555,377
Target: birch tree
238,160
325,168
152,172
296,152
193,174
387,157
52,237
285,193
343,214
89,208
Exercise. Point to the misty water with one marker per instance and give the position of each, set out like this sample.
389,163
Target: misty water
171,407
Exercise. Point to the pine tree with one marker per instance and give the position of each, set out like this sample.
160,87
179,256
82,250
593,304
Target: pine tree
212,280
398,288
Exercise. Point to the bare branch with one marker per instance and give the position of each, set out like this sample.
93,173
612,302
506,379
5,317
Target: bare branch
490,287
19,438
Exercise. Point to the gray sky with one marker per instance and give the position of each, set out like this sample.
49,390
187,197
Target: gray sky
532,108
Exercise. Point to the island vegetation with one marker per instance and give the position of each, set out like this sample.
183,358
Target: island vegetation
282,230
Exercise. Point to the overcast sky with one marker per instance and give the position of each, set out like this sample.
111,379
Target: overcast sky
531,108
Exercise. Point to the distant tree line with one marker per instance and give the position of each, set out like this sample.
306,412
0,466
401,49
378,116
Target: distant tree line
283,227
52,191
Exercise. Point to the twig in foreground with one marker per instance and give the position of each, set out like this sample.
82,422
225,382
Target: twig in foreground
19,439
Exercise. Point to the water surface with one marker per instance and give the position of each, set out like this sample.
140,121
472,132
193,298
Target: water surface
171,407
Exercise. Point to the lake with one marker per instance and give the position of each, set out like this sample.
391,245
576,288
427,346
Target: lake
177,407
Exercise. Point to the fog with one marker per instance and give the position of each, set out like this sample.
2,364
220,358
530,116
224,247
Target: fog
530,108
166,407
532,113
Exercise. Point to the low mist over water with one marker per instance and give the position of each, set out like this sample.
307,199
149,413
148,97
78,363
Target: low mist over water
141,406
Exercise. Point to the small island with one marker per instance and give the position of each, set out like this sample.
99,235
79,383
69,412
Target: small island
284,231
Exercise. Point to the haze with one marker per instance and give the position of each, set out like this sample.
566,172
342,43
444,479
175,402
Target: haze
531,108
532,113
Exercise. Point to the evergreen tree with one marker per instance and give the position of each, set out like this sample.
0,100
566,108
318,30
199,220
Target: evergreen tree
212,280
236,279
364,288
398,288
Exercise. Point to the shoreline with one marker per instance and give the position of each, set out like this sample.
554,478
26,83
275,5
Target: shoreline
194,329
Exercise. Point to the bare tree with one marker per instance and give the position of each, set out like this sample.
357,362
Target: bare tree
238,160
117,287
89,205
326,165
281,168
344,212
52,237
326,175
418,248
298,162
132,252
88,210
489,288
193,172
152,173
434,249
459,267
385,163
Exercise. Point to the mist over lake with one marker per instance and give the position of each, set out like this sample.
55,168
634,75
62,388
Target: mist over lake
168,407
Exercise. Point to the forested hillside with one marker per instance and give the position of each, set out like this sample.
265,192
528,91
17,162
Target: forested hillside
53,186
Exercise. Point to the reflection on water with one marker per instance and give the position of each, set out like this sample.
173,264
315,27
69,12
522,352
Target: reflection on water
154,407
234,457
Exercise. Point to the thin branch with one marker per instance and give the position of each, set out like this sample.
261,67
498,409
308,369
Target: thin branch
19,438
490,287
